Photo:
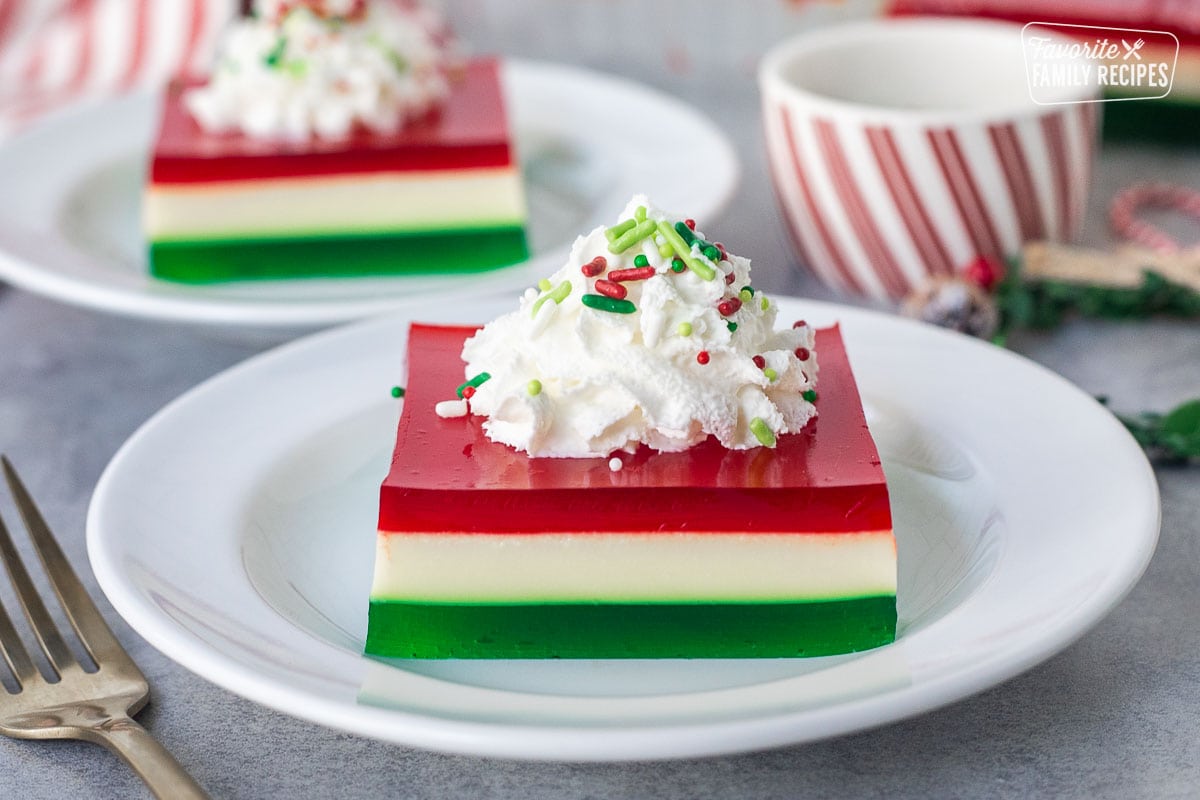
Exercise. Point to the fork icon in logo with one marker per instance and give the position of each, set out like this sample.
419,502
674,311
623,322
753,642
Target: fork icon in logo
1132,49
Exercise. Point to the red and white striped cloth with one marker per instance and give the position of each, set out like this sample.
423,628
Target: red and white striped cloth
56,52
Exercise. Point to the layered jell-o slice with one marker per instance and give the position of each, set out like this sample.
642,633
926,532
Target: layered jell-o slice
442,194
485,552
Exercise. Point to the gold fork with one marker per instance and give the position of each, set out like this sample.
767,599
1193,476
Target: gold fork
76,703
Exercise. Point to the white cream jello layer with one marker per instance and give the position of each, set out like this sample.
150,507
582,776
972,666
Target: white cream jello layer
675,567
427,201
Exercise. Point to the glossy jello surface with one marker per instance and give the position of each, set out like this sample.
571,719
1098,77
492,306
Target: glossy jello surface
446,475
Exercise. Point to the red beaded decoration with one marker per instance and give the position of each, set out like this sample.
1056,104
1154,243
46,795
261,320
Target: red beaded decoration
468,392
594,267
799,324
610,289
636,274
760,362
984,272
691,223
702,356
802,353
729,306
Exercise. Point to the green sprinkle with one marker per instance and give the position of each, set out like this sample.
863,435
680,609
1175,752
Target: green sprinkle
749,289
762,432
397,391
618,230
639,231
685,233
639,213
700,268
809,395
602,303
534,387
770,373
685,329
273,58
765,304
545,285
475,382
677,265
685,252
641,261
559,294
746,295
399,62
561,291
712,254
732,326
297,68
672,237
665,250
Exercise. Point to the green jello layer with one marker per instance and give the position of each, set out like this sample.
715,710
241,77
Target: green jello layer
338,256
401,629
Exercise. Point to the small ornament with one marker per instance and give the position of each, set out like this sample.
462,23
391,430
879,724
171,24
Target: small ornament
954,303
984,272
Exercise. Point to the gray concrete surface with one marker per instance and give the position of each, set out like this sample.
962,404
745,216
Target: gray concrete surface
1114,715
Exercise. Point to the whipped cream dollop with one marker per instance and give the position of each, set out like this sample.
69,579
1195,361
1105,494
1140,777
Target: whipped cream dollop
649,334
300,68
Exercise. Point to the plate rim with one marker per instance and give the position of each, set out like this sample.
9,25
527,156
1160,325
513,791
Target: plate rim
261,312
541,742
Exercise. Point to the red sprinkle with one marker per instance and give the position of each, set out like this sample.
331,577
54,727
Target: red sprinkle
802,353
799,324
691,223
729,279
729,306
610,289
702,356
724,252
468,392
760,362
594,267
637,274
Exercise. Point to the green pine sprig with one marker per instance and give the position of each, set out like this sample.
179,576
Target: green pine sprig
1046,304
1173,437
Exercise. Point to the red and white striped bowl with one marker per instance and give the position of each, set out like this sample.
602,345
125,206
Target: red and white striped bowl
904,149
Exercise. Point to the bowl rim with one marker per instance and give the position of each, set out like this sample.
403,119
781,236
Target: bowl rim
773,84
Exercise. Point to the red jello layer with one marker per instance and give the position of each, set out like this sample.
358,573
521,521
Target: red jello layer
447,476
468,131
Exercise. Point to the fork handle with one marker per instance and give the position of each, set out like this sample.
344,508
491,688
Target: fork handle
161,773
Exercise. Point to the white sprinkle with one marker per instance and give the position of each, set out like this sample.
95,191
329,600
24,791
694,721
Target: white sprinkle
545,313
531,294
615,464
448,409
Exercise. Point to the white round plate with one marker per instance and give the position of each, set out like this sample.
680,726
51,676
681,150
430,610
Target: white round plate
70,201
235,531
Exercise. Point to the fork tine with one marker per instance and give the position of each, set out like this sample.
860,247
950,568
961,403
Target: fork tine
35,610
93,631
14,653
